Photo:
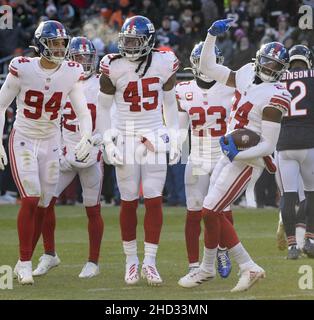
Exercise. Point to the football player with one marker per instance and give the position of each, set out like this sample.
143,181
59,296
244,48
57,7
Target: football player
81,50
296,149
259,103
139,80
204,105
41,85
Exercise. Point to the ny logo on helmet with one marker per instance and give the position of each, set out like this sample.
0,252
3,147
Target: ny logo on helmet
151,28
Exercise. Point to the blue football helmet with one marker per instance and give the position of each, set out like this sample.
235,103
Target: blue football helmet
272,60
83,51
45,34
195,61
136,38
303,53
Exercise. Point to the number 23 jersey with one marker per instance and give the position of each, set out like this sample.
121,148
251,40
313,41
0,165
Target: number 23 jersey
42,93
139,99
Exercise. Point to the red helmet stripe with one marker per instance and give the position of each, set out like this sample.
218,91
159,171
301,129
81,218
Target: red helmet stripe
84,44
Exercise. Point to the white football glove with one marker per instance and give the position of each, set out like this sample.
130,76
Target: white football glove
96,139
113,153
83,148
3,158
64,164
175,147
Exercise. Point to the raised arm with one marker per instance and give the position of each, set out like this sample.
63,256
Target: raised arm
208,64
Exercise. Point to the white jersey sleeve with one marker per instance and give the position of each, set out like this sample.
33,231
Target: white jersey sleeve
280,99
105,67
169,64
245,77
184,94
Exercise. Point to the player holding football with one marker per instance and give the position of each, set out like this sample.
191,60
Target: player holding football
81,50
204,105
139,80
260,101
296,149
41,86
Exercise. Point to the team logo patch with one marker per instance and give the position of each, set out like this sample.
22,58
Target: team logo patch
151,28
189,96
165,138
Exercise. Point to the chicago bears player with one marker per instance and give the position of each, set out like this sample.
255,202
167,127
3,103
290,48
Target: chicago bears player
139,80
81,50
41,86
259,103
296,148
204,104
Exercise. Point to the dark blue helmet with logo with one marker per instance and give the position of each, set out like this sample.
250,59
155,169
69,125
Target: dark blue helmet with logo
303,53
195,60
136,38
45,38
83,51
272,60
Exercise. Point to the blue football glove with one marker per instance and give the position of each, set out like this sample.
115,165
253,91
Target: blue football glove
230,149
219,26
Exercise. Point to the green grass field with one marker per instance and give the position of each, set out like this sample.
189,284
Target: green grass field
256,228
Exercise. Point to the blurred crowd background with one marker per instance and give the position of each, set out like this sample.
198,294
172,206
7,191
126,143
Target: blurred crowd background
179,24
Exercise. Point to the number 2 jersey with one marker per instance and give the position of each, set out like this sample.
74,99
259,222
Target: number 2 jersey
42,93
297,127
207,108
139,99
250,100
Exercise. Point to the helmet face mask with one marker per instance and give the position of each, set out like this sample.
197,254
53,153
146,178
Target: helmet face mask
52,41
271,62
55,49
83,51
195,61
137,38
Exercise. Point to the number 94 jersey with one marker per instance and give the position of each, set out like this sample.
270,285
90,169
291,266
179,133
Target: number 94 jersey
42,93
139,99
207,108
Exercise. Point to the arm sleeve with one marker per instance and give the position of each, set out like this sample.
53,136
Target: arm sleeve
79,104
103,120
170,109
208,65
183,125
267,144
9,90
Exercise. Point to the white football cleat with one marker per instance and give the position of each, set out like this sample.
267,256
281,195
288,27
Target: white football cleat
150,273
131,273
89,270
23,272
195,277
249,277
46,262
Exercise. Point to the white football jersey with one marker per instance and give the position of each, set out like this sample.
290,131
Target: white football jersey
250,100
42,95
209,108
139,99
70,124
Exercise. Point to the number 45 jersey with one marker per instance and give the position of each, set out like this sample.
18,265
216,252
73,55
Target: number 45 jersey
42,93
297,127
139,99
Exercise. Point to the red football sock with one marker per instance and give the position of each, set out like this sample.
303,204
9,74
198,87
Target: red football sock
153,219
212,225
228,216
128,219
229,236
95,232
39,218
26,226
192,234
48,228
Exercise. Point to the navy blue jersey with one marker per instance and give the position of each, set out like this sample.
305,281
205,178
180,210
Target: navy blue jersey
297,128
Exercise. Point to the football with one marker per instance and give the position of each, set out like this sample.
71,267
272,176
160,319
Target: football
244,138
